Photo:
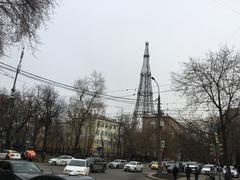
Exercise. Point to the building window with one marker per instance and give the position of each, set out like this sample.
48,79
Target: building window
102,125
106,126
98,123
97,132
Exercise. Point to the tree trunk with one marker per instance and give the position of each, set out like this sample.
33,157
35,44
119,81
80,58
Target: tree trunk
43,153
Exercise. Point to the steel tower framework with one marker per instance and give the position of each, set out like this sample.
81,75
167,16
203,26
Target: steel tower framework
144,104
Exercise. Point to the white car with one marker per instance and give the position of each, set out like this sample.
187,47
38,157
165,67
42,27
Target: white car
10,154
208,168
233,170
193,166
61,160
135,166
77,167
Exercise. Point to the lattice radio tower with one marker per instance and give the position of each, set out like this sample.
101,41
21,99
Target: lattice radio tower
144,104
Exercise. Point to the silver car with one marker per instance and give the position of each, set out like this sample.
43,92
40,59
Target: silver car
61,160
117,163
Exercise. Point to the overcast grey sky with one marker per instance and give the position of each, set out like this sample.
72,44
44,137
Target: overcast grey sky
109,36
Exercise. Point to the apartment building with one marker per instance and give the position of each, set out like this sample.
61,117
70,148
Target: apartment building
106,136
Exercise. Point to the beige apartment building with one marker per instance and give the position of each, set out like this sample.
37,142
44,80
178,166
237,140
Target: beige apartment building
106,136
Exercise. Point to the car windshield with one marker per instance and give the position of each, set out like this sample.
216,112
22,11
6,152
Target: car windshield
208,166
117,160
77,163
61,157
25,167
231,167
132,163
192,163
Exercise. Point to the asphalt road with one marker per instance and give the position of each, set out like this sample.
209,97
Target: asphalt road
110,174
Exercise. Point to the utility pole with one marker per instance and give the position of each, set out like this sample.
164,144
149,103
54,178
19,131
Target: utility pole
11,103
17,72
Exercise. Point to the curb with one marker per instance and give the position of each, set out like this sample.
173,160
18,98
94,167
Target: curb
150,175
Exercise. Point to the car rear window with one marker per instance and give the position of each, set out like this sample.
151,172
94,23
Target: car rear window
77,163
22,167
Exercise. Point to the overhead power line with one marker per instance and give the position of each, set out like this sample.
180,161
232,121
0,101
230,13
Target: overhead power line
65,86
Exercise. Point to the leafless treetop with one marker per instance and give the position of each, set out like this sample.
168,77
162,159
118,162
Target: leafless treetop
20,20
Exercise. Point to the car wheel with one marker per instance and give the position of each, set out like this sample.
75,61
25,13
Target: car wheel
141,170
103,169
54,163
135,170
117,166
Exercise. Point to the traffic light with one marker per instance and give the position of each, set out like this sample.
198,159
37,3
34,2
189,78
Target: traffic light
212,149
216,138
162,144
220,149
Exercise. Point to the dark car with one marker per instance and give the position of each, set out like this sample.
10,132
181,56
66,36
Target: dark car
61,177
97,164
18,170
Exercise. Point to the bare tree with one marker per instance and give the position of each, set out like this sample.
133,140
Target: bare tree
213,83
87,105
129,137
19,115
51,108
20,20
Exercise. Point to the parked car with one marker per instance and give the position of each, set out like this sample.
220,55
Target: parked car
152,162
18,169
208,168
10,154
135,166
193,166
97,164
77,167
233,170
154,166
61,160
117,163
29,154
170,165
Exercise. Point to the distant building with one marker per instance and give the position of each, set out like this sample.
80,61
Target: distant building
169,132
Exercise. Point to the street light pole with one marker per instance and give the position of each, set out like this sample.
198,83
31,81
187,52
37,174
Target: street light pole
159,153
16,75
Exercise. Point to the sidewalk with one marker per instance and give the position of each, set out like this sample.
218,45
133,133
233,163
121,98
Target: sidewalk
201,177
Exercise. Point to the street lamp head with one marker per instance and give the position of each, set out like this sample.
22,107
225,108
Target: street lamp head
153,78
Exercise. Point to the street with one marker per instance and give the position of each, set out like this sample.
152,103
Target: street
116,174
110,174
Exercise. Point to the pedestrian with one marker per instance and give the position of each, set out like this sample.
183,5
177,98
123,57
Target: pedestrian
175,172
211,175
196,173
188,172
